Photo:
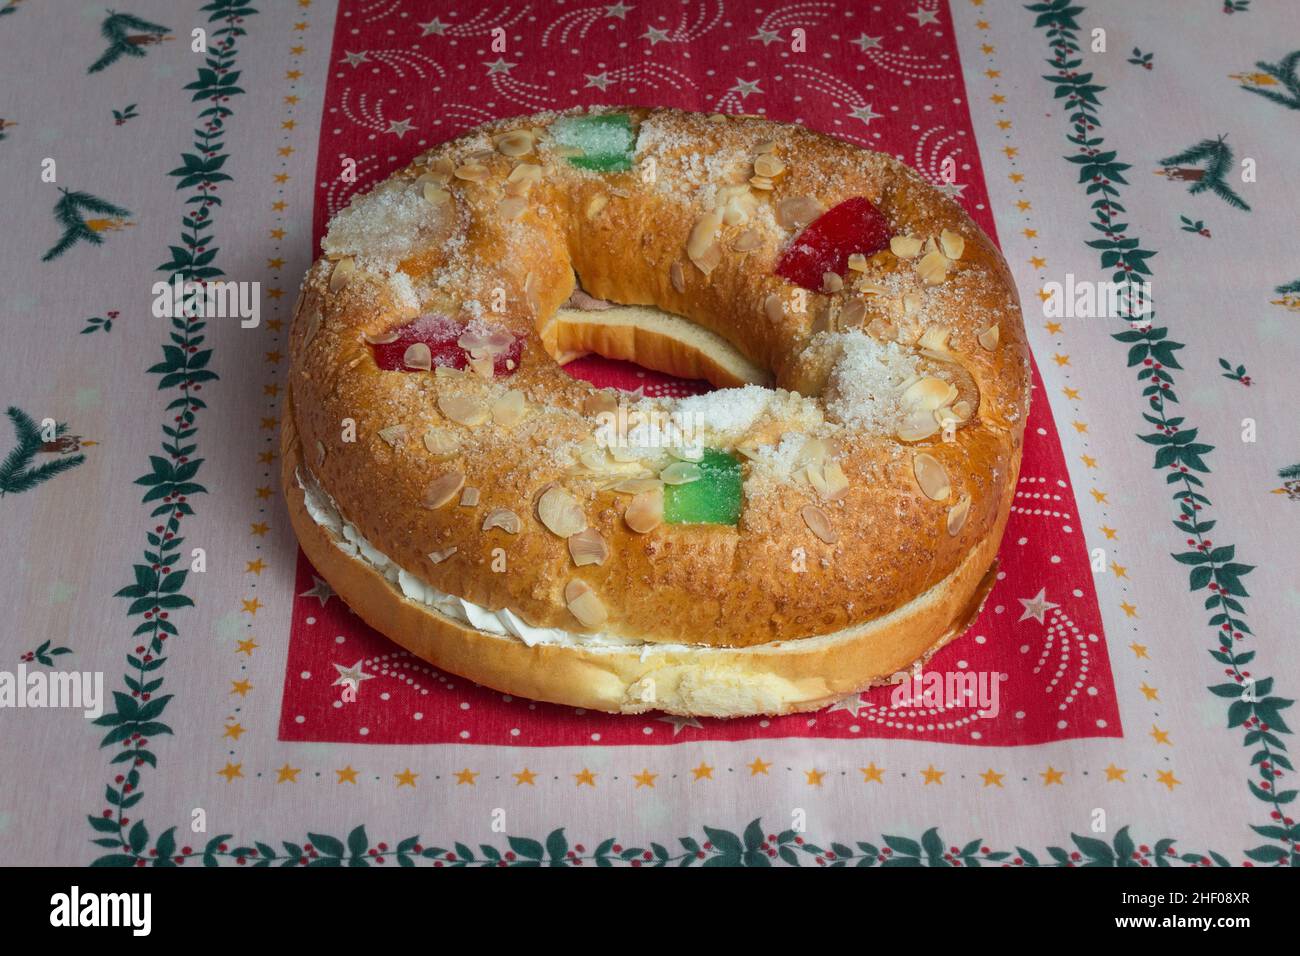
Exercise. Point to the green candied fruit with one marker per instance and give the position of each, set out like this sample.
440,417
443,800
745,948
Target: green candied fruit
713,499
605,139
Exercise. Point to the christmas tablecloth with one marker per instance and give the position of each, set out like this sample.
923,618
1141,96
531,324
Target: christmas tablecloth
1135,660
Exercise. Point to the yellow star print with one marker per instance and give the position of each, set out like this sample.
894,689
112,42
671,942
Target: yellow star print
1080,427
872,773
1051,775
1130,610
525,776
1054,328
1115,773
347,775
1038,262
253,606
1024,205
231,771
1099,496
1004,124
645,779
288,774
1108,532
1168,779
1120,570
255,567
933,776
758,766
233,731
246,647
1088,462
586,777
406,778
260,529
1160,736
815,777
1150,693
240,687
466,776
703,772
1060,359
992,778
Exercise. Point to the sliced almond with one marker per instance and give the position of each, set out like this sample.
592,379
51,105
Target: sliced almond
686,452
343,270
472,172
482,367
636,486
765,147
929,393
601,402
584,605
595,204
832,282
677,276
852,314
773,308
510,408
858,262
515,143
437,557
442,489
747,241
768,166
988,339
881,330
828,480
320,453
522,179
917,426
645,511
417,355
952,244
383,338
313,326
905,247
480,156
681,473
934,340
957,515
440,170
761,183
435,194
931,476
441,442
502,518
560,512
463,410
818,523
961,410
393,434
933,267
588,547
702,246
797,211
512,207
469,497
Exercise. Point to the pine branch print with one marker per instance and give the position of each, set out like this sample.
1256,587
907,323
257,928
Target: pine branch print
68,212
118,29
1217,157
16,471
1285,72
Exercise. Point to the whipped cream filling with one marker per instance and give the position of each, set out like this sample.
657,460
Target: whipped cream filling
503,623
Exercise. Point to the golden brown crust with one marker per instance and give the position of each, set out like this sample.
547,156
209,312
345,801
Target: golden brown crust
787,677
708,585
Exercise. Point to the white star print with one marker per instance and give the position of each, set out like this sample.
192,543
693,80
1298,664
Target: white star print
500,66
680,722
599,80
922,17
354,58
655,35
864,113
434,26
865,43
400,127
766,36
320,590
952,190
853,703
618,10
1037,606
350,676
745,87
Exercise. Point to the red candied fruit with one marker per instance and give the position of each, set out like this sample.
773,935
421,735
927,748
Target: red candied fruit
449,344
825,245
